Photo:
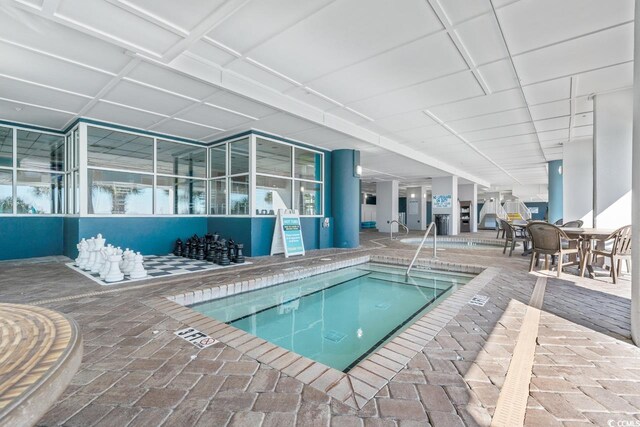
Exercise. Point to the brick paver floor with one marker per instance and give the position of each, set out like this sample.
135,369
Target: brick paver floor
136,372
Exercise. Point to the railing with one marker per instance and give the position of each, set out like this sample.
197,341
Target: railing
517,207
406,229
494,207
424,239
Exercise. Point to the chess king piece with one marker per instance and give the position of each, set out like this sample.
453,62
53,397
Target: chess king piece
138,271
99,260
239,254
177,251
92,254
114,275
83,253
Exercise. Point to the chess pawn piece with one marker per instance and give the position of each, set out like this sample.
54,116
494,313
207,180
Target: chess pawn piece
131,262
177,251
114,275
92,254
211,252
232,251
124,265
218,253
194,248
239,254
106,253
138,271
83,254
200,253
187,249
224,259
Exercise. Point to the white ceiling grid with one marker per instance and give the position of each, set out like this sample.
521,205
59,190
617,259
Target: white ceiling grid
487,88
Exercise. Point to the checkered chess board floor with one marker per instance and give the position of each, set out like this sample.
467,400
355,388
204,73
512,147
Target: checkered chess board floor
161,266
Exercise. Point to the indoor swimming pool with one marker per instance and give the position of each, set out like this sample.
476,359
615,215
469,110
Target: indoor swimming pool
340,317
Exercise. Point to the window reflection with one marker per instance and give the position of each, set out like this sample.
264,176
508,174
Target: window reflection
308,196
40,151
181,159
273,158
180,196
239,195
308,164
119,150
39,193
120,193
272,194
6,192
239,157
218,159
218,200
6,147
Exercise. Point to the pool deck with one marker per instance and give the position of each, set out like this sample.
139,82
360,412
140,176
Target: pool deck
574,363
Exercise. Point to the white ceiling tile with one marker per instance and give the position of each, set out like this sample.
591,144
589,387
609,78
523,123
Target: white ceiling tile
38,95
117,23
404,121
33,115
170,80
461,10
349,115
50,71
552,124
583,104
479,105
577,55
482,39
530,24
308,97
500,132
241,104
183,129
554,134
439,91
552,90
48,36
423,133
188,15
551,109
143,97
283,124
580,131
499,75
424,59
605,79
211,53
123,116
583,119
210,116
260,75
519,115
317,136
343,33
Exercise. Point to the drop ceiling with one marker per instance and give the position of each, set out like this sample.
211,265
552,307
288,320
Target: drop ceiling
486,90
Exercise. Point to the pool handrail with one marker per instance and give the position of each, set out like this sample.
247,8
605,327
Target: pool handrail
406,229
424,239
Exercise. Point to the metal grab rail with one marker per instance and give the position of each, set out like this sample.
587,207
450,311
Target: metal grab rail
406,229
424,239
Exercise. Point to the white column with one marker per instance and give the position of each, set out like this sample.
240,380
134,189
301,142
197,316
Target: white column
635,271
469,192
386,205
417,208
577,180
443,188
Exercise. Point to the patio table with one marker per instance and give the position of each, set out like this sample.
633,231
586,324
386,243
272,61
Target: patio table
586,238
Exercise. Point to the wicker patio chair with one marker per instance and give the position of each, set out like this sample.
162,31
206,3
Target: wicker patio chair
620,249
512,235
499,228
573,224
547,239
558,222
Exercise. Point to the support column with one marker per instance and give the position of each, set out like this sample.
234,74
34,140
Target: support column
635,190
386,206
469,192
443,189
555,191
345,198
417,208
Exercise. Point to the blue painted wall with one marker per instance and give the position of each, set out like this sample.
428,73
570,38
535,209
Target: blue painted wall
26,237
345,196
542,210
555,191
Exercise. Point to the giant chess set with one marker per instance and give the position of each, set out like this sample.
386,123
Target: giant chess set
106,264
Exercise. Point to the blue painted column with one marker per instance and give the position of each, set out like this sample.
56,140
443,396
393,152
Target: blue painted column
345,198
555,190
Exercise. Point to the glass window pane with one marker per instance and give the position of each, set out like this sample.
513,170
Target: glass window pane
6,147
76,199
308,198
181,159
40,151
40,193
6,192
273,158
119,150
308,165
272,194
239,157
218,197
180,196
218,159
119,193
239,195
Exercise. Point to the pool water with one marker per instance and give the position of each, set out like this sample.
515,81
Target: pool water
337,318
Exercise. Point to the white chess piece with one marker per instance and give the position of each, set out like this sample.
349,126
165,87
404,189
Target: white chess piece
129,261
114,275
106,253
138,271
83,254
92,254
97,265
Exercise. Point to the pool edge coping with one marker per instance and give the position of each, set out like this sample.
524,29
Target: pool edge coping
357,387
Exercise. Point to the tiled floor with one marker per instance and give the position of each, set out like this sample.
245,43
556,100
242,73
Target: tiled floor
136,372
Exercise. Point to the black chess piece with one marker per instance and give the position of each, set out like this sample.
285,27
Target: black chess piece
219,247
194,248
216,237
210,252
177,251
239,254
232,251
224,256
187,249
200,253
208,237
